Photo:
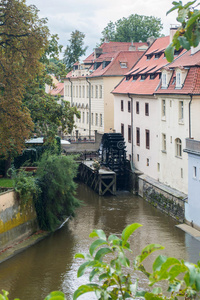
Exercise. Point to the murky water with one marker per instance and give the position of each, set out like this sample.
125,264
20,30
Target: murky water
50,264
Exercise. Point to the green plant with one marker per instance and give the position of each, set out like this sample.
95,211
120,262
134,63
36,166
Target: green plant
57,295
113,271
55,178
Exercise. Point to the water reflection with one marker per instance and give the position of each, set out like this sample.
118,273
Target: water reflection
50,264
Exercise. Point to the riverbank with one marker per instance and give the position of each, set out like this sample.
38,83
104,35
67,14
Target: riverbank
22,245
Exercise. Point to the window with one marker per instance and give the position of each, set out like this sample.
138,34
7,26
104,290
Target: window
87,117
164,145
147,162
96,91
79,91
101,120
130,157
129,106
137,107
123,65
178,145
178,79
143,77
194,172
83,120
147,135
92,119
100,91
92,91
83,91
163,109
138,136
122,129
122,105
76,91
152,76
96,119
146,109
129,133
181,111
164,80
138,157
158,167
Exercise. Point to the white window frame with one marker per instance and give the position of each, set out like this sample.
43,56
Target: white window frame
178,79
178,145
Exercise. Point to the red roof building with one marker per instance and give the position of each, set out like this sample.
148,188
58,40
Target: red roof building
89,84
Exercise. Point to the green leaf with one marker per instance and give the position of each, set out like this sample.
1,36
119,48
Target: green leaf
113,237
82,268
148,250
193,19
177,5
104,276
140,294
158,262
93,273
169,53
197,281
97,244
151,296
101,253
85,289
56,295
176,270
192,272
157,290
98,233
79,255
128,231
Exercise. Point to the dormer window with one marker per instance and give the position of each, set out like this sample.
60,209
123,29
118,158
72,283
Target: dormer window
157,55
152,76
96,65
123,65
164,80
128,77
135,77
178,79
105,64
149,56
143,77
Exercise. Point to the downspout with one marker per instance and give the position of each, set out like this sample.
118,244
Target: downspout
71,91
190,131
89,107
132,167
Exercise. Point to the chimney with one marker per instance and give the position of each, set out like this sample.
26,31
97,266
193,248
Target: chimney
173,30
150,40
97,52
132,47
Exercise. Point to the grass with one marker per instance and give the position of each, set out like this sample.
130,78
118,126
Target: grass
6,182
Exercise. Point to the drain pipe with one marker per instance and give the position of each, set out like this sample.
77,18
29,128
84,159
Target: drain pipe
190,131
71,91
131,130
89,107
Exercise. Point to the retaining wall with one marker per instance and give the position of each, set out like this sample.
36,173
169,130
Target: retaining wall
16,221
168,200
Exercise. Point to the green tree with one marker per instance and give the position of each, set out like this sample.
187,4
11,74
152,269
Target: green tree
134,28
188,33
75,49
57,200
23,38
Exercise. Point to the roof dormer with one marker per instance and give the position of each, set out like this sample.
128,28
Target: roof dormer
180,74
165,78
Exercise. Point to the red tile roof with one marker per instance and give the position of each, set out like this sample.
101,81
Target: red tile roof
145,66
113,47
192,81
58,90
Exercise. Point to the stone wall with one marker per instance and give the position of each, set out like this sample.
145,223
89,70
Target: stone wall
166,199
16,221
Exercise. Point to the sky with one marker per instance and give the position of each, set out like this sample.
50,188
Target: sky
92,16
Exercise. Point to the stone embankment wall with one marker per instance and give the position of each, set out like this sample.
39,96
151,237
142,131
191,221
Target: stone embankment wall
166,199
16,221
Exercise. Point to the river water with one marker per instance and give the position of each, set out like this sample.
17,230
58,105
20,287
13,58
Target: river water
50,265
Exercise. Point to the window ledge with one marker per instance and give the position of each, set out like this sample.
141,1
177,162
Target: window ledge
181,122
163,119
180,157
164,151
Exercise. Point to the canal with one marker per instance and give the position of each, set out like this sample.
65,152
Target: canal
50,265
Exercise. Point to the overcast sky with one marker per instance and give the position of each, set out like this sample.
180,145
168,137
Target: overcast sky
91,16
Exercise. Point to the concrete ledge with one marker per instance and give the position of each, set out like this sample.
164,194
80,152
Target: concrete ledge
190,230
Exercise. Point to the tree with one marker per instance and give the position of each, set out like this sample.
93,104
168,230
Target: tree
75,49
188,33
134,28
23,38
